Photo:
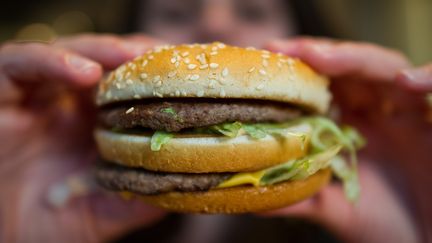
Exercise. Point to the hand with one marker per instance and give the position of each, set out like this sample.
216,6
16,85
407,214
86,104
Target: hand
372,94
46,122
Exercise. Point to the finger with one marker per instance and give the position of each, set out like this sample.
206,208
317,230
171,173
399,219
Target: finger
329,207
109,50
338,59
416,79
378,212
32,62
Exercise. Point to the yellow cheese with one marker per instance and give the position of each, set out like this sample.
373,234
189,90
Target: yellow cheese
252,178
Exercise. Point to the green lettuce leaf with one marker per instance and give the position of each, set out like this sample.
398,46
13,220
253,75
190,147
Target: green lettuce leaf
299,169
254,131
348,176
228,129
158,139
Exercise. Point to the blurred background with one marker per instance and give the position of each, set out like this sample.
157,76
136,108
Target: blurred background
401,24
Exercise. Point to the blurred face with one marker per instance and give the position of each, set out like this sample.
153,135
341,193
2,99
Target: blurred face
237,22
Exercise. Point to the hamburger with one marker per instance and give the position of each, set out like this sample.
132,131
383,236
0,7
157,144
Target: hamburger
212,128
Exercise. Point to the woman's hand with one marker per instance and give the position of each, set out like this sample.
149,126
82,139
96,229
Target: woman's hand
46,121
373,90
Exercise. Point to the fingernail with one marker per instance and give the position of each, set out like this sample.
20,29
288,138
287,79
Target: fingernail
417,77
81,64
134,48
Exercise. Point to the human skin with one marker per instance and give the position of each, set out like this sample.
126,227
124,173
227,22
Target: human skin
46,122
378,91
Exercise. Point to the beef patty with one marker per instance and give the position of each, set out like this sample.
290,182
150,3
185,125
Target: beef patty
119,178
173,116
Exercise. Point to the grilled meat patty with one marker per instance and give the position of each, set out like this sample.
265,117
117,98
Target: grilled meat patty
173,116
119,178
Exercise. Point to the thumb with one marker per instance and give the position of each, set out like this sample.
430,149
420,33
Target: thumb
378,216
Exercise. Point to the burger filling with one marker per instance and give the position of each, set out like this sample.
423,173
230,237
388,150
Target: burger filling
177,115
329,144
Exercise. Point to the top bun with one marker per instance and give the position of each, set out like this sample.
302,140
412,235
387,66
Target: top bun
216,71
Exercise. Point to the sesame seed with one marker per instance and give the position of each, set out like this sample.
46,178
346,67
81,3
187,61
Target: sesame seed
192,66
225,72
201,58
173,60
213,53
222,81
177,64
200,93
214,65
177,93
188,77
108,94
144,63
128,74
250,48
251,69
137,96
262,72
203,46
186,60
214,48
184,93
129,81
221,45
143,75
159,83
156,78
265,56
290,61
204,66
194,77
260,87
118,85
185,54
129,110
265,63
222,93
150,57
172,74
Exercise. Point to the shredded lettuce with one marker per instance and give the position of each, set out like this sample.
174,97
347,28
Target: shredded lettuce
158,139
231,130
299,169
348,176
327,140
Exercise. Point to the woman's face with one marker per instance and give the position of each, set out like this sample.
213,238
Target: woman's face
237,22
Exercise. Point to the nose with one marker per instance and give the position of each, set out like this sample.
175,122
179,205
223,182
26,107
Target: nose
216,22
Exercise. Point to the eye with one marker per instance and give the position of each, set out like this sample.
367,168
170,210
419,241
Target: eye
251,13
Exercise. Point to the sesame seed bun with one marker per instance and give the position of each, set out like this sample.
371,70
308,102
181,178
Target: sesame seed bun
241,199
216,71
201,154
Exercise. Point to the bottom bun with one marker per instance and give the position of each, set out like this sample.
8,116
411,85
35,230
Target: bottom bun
241,199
